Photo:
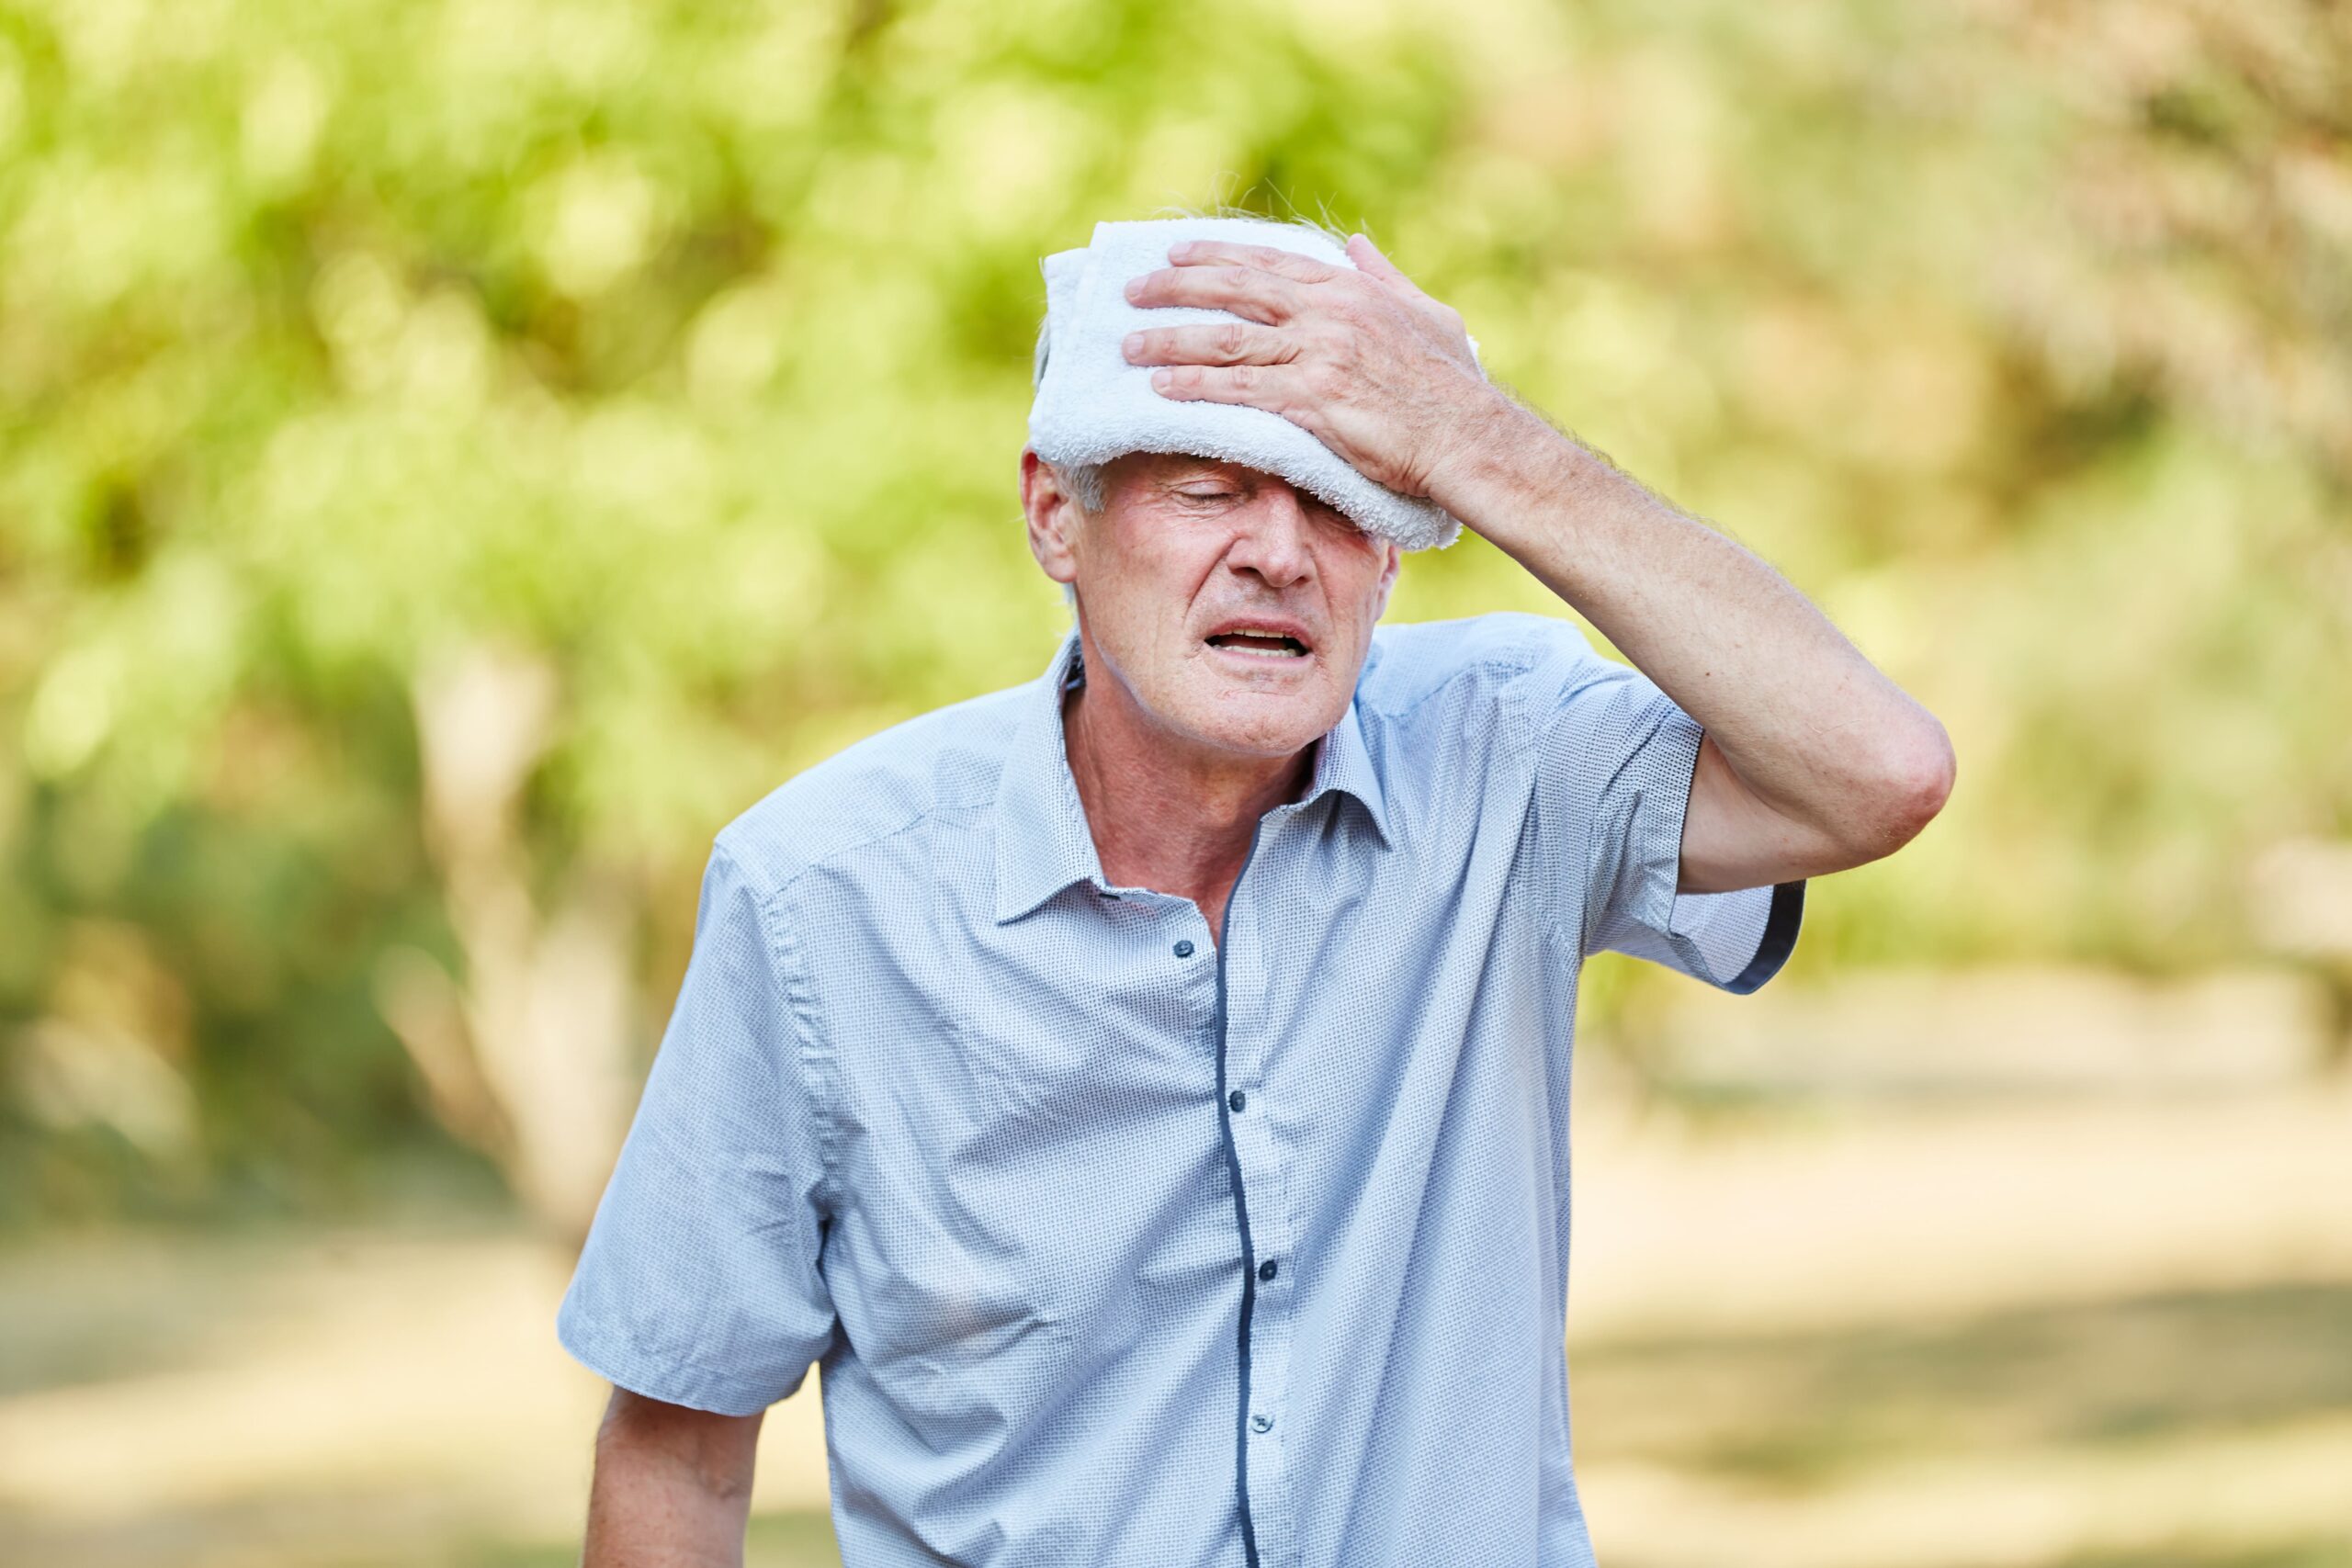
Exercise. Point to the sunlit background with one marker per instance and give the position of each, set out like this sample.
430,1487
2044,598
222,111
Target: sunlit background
456,453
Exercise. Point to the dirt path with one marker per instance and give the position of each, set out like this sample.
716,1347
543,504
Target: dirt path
2076,1334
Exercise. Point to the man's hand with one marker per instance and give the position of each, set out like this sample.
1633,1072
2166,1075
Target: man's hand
1365,362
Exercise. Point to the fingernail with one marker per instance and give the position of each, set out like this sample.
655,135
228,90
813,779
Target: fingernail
1162,379
1135,288
1179,250
1132,345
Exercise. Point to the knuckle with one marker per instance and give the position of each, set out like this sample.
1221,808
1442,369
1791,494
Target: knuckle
1232,340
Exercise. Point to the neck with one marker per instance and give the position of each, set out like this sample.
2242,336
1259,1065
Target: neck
1165,812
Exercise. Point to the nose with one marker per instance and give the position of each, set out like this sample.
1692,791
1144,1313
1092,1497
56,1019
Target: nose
1272,539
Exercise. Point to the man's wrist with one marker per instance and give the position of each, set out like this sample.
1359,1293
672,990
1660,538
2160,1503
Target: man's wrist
1504,457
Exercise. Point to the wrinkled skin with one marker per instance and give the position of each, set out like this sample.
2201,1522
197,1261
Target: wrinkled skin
1185,548
1360,358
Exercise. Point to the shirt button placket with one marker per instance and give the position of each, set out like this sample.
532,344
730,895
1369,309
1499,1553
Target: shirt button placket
1266,1178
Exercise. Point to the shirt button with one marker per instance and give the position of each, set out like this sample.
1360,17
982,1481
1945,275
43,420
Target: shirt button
1268,1269
1262,1423
1184,949
1237,1099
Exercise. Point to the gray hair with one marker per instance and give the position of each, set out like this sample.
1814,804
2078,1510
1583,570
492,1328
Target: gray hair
1083,482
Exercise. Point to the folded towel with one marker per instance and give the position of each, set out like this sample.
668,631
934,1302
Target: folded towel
1092,406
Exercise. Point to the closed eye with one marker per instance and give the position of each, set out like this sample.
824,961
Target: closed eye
1331,516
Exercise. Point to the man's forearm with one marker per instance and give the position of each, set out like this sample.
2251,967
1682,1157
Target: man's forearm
1808,724
672,1489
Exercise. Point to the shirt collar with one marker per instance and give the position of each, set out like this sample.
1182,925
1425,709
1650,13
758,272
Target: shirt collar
1043,843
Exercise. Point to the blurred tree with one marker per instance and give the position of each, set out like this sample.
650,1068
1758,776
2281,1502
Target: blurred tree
454,456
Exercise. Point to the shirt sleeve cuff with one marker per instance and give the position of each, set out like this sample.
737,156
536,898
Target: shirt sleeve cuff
1744,934
622,1362
1735,939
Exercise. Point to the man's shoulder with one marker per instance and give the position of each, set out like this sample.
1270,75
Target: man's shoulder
887,784
1409,663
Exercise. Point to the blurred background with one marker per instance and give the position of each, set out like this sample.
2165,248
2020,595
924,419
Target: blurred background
456,453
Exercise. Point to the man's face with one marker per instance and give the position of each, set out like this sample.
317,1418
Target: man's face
1234,609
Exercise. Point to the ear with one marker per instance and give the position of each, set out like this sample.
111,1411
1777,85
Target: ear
1053,517
1388,576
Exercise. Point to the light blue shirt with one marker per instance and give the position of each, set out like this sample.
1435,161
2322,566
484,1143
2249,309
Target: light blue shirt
1116,1243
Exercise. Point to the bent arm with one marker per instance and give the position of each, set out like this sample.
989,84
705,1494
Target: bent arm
673,1487
1813,761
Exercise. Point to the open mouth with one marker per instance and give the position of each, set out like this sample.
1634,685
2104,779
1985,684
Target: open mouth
1260,644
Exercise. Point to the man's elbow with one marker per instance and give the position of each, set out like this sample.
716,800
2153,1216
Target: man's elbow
1914,782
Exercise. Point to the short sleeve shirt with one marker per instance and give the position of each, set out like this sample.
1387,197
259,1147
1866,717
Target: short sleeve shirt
1114,1242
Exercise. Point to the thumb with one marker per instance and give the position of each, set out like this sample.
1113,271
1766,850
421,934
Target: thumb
1367,256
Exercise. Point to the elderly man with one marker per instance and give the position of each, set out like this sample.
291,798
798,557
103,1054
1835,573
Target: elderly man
1145,1091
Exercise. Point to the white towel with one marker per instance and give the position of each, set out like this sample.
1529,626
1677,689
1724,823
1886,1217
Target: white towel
1092,406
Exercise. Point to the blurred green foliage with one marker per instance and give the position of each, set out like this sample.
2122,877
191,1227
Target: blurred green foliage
681,351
